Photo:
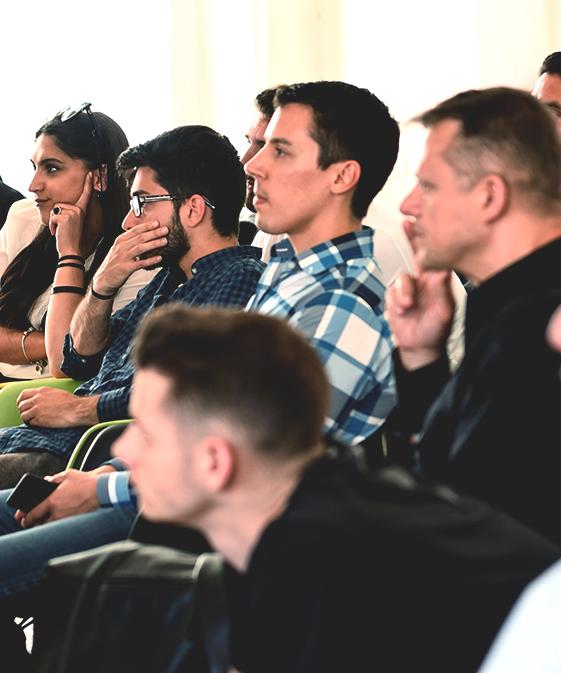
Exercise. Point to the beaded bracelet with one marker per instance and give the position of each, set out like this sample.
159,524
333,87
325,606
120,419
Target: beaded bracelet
39,364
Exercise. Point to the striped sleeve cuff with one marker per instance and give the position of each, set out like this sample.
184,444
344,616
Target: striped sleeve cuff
117,463
114,490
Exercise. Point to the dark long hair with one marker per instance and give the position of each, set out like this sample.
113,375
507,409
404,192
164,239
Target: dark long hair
31,272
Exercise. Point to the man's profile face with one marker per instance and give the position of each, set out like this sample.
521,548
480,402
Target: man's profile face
256,138
291,190
177,244
547,89
157,449
439,207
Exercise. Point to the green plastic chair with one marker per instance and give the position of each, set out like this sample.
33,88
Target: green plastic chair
9,393
86,442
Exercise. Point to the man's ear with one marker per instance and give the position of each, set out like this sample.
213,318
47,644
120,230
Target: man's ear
100,179
346,174
193,210
493,197
216,459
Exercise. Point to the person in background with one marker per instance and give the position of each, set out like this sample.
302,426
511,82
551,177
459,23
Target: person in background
548,85
255,136
8,195
487,203
60,240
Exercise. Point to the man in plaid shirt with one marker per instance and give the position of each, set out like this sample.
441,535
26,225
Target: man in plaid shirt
187,189
329,149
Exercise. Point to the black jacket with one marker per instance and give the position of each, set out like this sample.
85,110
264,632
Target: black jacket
494,428
7,197
378,573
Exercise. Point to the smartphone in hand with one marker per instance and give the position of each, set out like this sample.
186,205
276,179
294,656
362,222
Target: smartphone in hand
29,492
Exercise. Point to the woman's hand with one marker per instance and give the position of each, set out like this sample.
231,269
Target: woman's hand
66,222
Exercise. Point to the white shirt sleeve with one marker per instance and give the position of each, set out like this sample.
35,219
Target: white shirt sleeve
529,640
21,226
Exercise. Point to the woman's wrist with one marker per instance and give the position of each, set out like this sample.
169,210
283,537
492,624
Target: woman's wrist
70,252
27,351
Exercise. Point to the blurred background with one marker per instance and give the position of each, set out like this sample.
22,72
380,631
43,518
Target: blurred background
152,65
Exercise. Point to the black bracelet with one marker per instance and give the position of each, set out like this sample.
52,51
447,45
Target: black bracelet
73,289
74,265
103,297
79,257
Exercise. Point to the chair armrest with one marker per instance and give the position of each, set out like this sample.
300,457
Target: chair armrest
9,393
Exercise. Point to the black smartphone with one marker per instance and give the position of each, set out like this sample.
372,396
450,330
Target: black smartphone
29,492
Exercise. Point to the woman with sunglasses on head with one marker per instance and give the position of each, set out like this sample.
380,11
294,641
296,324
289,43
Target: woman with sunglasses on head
81,202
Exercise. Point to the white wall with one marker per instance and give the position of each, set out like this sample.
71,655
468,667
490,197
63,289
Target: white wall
154,65
415,54
411,54
112,53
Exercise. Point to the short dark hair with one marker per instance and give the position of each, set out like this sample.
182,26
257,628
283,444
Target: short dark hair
552,64
504,131
194,160
265,102
253,370
349,123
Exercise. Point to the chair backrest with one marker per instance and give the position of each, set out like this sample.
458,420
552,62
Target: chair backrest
94,446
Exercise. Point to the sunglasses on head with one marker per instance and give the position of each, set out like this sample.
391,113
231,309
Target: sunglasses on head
70,112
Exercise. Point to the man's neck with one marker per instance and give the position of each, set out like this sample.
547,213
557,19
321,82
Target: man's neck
524,236
235,528
326,227
202,248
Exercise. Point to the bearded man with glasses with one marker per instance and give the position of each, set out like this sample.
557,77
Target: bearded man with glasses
187,189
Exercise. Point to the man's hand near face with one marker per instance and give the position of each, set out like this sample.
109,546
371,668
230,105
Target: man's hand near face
132,251
420,311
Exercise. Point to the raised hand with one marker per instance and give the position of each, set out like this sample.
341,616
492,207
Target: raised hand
136,249
420,311
420,307
66,221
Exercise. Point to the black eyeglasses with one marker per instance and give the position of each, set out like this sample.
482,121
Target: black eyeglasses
138,200
72,111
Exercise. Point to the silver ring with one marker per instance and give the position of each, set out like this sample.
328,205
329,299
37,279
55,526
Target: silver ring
137,258
57,210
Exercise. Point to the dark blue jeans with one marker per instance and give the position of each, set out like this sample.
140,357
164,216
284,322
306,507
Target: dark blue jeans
25,551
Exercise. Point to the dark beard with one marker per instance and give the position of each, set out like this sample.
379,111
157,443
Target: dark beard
177,246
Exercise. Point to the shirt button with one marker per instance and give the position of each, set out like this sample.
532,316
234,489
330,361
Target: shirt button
193,271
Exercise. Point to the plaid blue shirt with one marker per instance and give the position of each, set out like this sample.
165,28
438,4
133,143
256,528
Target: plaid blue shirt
225,278
333,295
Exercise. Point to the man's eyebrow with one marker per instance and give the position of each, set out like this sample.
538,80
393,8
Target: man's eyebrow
280,141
